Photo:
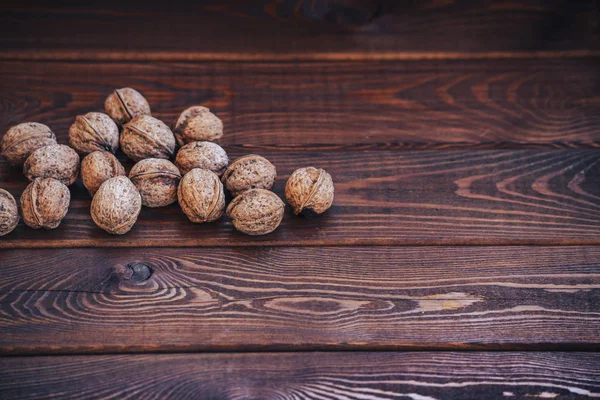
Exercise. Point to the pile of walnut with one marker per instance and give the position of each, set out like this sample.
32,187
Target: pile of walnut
197,178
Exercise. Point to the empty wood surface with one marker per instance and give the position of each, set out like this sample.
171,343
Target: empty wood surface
91,300
356,376
333,105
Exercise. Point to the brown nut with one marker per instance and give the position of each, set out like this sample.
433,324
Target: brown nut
147,137
256,212
21,140
116,205
198,124
56,161
98,167
156,180
249,172
203,155
125,104
201,196
94,131
44,203
9,213
309,191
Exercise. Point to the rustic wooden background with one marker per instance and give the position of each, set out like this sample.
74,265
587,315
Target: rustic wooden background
461,258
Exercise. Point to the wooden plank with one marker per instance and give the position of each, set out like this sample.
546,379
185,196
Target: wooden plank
304,376
99,300
382,198
301,27
333,105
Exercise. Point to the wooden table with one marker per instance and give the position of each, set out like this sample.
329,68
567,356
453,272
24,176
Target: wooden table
460,259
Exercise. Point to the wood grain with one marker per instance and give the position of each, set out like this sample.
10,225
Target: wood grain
242,299
360,376
333,105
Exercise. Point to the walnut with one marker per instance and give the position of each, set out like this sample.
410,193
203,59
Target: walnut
309,191
125,104
256,212
56,161
198,124
201,196
98,167
21,140
9,213
147,137
204,155
156,180
116,205
44,203
94,131
249,172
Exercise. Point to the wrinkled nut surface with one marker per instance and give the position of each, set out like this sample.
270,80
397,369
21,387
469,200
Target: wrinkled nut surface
94,131
147,137
203,155
309,191
44,203
125,104
116,205
156,180
56,161
9,213
201,196
256,212
249,172
198,124
98,167
21,140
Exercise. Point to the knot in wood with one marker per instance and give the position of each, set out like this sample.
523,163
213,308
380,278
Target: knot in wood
136,271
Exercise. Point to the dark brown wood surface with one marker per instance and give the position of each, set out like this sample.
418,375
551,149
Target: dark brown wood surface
303,298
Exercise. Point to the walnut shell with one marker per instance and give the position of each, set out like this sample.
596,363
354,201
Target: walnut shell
147,137
198,124
116,205
98,167
9,213
21,140
309,191
125,104
56,161
256,212
204,155
249,172
94,131
201,196
44,203
156,180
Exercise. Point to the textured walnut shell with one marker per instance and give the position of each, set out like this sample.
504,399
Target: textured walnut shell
9,213
116,205
44,203
98,167
21,140
203,155
57,161
309,191
256,212
198,124
125,104
147,137
156,180
249,172
201,196
94,131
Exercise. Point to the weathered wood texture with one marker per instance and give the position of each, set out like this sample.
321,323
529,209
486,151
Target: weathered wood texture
303,27
358,376
382,198
88,300
333,105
